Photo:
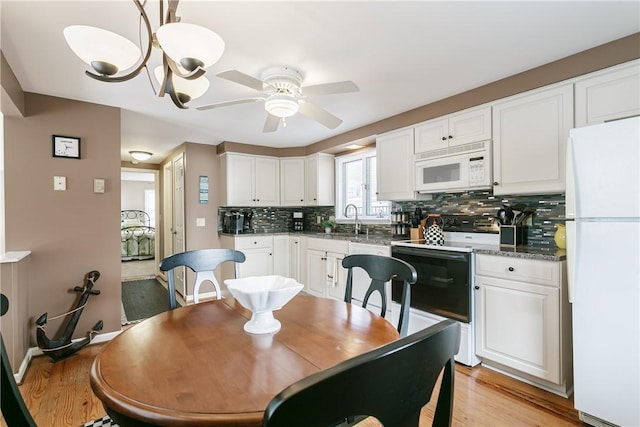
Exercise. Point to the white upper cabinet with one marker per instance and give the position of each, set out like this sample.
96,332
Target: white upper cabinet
319,180
466,126
395,165
292,179
608,95
250,180
530,132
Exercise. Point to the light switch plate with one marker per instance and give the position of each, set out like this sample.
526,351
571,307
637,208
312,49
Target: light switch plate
60,183
200,222
98,185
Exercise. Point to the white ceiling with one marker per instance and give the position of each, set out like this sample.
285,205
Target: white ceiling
402,55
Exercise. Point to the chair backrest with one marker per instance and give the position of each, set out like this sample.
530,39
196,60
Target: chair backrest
381,269
14,410
391,383
203,262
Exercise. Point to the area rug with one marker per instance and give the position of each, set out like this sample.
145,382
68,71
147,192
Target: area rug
101,422
142,299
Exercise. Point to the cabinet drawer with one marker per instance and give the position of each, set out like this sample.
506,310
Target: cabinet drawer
327,245
251,242
524,270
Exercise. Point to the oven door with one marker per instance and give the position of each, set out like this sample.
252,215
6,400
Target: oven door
444,281
444,173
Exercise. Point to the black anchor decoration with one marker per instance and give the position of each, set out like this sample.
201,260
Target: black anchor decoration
62,347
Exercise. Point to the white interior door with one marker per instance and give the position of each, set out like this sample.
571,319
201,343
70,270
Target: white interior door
167,212
178,220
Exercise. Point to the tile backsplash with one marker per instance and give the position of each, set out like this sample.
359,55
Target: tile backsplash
549,211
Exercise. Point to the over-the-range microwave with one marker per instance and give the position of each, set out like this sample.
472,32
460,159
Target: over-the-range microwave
457,168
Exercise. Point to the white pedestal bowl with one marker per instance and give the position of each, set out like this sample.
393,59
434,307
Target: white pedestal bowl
263,295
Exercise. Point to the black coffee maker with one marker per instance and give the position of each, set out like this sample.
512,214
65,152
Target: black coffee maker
248,225
233,223
298,221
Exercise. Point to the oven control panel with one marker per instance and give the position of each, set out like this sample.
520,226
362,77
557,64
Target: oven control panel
469,223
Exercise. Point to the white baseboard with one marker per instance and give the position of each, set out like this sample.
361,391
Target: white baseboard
35,351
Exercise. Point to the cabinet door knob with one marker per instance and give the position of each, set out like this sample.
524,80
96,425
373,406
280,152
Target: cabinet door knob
476,287
450,136
496,183
511,269
444,138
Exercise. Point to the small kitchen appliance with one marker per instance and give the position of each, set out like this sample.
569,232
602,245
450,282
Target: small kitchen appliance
248,225
233,223
298,221
459,168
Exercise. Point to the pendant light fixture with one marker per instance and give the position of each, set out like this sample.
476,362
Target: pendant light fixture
187,49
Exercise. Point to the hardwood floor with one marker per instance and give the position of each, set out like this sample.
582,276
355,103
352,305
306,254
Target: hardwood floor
59,395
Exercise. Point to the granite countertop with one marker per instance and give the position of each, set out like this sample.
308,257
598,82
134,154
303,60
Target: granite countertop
529,252
373,239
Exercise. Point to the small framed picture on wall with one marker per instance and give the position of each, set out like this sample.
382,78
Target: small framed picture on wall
66,146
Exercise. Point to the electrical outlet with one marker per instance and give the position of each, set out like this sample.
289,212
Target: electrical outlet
98,185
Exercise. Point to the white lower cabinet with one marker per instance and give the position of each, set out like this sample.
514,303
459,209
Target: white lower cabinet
325,276
361,279
295,249
281,258
258,251
523,319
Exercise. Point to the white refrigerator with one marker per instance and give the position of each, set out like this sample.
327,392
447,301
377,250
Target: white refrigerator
603,258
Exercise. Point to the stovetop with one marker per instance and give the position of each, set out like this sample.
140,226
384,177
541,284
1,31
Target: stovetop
462,233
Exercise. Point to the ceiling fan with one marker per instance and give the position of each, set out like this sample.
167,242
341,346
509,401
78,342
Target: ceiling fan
284,96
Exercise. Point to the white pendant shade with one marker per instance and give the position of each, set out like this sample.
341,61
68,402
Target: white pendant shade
281,105
95,44
194,88
181,40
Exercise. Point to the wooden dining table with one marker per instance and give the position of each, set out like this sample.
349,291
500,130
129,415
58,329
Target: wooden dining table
196,366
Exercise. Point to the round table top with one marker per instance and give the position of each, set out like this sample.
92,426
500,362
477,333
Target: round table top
195,365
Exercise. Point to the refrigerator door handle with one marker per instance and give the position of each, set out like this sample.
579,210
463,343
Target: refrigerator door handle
570,196
571,258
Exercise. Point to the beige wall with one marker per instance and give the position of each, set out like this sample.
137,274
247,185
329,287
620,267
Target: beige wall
69,232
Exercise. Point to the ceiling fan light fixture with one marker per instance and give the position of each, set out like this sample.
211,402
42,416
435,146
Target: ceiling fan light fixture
190,45
141,156
106,52
191,89
281,105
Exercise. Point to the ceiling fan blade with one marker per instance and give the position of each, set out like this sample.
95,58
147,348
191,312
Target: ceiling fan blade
318,114
271,123
228,103
330,88
242,78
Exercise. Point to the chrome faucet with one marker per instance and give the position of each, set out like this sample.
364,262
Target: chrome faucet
356,225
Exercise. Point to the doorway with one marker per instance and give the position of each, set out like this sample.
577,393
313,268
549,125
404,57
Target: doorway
139,219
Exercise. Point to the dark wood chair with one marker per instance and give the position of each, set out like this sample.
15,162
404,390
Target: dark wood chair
391,383
203,262
381,269
14,410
